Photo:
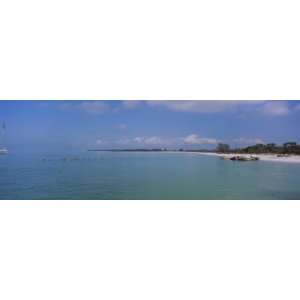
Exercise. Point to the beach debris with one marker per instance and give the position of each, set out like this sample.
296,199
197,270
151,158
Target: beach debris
239,158
244,158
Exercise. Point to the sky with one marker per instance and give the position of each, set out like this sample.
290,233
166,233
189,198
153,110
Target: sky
52,126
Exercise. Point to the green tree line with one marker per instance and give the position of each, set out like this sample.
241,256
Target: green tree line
286,148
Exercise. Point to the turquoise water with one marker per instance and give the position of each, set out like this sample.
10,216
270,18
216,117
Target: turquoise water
121,175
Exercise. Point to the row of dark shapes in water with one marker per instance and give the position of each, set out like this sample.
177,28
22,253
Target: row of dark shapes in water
241,158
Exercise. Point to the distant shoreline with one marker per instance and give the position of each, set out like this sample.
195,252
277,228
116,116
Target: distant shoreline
262,157
291,158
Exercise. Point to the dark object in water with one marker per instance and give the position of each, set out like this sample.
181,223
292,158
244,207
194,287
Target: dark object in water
244,158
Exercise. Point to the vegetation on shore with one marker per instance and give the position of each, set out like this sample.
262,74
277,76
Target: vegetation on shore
286,148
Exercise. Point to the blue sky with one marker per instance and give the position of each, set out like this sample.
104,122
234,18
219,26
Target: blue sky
79,125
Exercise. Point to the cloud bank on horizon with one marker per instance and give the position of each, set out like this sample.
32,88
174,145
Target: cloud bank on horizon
158,123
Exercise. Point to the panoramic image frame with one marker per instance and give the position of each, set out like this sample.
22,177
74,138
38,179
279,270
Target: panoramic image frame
128,149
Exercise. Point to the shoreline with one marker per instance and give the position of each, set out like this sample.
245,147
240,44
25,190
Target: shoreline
262,157
292,158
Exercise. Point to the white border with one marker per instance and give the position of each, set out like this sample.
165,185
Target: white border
149,250
160,49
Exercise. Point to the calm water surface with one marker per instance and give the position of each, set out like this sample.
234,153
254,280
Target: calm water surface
121,175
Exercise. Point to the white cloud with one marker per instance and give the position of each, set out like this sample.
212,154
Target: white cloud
194,139
202,106
250,141
138,139
153,140
131,104
99,142
275,108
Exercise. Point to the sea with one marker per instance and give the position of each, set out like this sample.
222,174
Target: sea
144,175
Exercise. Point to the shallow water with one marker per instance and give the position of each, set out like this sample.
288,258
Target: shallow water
121,175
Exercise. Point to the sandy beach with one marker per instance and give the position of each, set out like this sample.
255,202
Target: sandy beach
263,157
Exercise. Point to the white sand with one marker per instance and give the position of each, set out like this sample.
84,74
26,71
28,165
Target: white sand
263,157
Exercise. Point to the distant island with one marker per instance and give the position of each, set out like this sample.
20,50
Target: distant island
271,148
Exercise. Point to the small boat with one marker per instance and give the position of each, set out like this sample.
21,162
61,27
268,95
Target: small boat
3,151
